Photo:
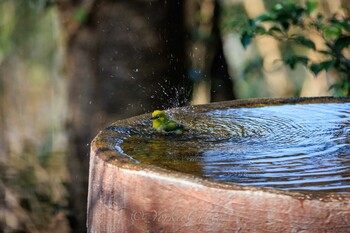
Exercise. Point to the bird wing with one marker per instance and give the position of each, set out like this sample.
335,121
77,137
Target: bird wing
172,126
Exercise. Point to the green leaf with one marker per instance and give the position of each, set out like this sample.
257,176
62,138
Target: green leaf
269,16
332,32
341,88
298,13
246,38
251,23
306,42
260,30
319,18
346,25
334,86
293,60
286,13
274,30
278,7
326,65
342,42
285,7
325,52
311,6
315,69
285,25
341,24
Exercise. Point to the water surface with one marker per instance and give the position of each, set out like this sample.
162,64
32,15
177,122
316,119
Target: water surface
290,147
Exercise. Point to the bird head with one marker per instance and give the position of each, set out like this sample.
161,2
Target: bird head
159,118
158,115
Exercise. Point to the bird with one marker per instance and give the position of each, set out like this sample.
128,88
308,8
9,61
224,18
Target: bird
162,123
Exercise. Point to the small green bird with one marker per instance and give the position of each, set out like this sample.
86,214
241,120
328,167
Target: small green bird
162,123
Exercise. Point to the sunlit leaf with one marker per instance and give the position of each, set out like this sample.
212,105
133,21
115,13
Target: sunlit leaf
285,7
278,7
311,6
340,23
286,15
332,32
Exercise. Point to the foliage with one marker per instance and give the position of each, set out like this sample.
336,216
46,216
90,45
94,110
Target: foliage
33,172
293,24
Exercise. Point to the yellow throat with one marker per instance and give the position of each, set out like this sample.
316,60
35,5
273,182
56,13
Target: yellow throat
158,118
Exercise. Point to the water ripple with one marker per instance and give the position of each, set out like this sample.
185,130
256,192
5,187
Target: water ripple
291,147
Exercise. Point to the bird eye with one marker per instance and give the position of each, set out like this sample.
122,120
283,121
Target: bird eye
155,117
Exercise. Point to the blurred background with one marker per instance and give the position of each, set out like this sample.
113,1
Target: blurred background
70,68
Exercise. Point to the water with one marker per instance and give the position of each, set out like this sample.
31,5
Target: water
302,147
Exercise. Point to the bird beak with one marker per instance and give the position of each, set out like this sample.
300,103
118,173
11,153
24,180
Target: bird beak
153,118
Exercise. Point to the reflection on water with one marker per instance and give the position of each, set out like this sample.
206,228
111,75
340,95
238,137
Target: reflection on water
291,147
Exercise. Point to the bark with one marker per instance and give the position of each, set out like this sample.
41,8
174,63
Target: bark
222,83
209,69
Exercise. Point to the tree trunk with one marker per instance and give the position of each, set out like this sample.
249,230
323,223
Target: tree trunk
208,67
222,83
125,58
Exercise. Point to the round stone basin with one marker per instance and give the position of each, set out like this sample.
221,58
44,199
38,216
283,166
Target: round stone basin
259,165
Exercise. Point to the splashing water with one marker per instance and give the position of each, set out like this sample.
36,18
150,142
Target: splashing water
180,95
303,147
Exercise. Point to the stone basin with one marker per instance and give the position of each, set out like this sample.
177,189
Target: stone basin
127,194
